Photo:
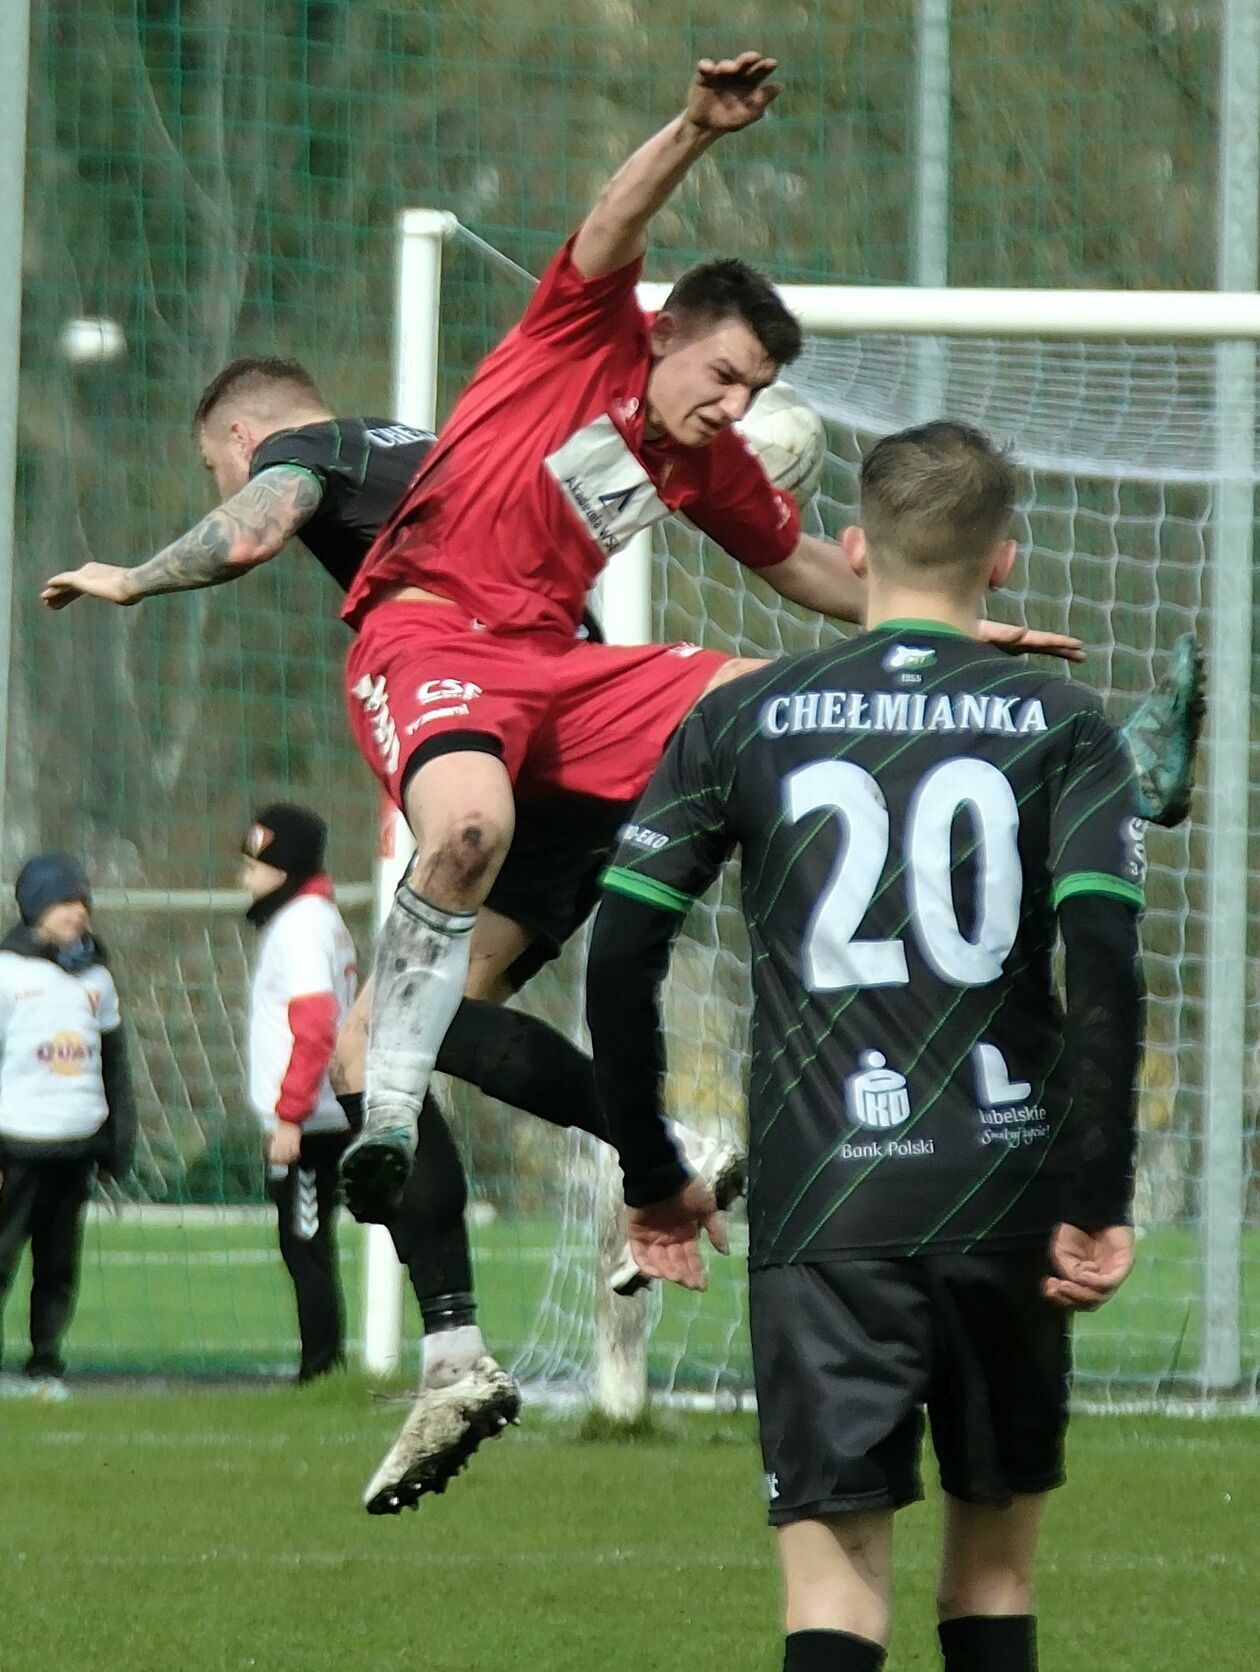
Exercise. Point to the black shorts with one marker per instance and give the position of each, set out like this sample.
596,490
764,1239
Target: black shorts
549,882
847,1355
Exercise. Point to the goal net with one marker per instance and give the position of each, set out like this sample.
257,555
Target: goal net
208,190
1118,530
1121,530
1132,453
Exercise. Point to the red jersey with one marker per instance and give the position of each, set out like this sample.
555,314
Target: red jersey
542,472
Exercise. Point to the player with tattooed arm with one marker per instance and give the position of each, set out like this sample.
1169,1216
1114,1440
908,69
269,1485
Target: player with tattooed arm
286,467
589,423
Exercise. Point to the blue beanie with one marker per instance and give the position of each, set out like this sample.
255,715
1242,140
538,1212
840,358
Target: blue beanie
50,879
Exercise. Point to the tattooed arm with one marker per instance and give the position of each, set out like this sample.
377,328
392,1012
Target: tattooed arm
242,532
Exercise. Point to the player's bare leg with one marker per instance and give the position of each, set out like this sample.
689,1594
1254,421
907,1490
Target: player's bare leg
984,1597
837,1576
497,943
459,807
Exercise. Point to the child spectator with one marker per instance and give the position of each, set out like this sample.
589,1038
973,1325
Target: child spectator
66,1107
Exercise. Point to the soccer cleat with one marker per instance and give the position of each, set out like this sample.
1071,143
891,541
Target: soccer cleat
1162,736
722,1166
443,1430
374,1171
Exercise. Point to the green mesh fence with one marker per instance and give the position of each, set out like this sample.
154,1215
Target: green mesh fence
220,179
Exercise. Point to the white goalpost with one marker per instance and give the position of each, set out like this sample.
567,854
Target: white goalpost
1134,413
422,232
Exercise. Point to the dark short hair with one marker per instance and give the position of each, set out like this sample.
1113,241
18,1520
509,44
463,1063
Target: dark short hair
251,376
730,289
939,495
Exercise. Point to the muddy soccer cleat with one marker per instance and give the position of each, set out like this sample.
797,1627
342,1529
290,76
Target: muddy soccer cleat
443,1430
724,1168
1162,736
374,1171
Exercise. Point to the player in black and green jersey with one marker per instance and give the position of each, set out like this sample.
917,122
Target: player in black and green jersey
941,1152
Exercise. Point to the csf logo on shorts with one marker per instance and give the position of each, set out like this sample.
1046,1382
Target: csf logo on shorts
453,694
447,690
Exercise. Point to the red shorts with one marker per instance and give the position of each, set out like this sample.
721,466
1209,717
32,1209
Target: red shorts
570,717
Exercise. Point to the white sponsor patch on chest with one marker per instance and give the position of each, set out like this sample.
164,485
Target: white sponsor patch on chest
608,489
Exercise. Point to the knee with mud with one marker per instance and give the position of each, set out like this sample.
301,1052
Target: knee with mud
454,870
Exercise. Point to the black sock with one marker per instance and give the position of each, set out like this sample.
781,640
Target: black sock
989,1643
352,1108
525,1062
438,1312
429,1231
830,1651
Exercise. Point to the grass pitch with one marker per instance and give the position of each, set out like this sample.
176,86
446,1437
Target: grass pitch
199,1294
208,1531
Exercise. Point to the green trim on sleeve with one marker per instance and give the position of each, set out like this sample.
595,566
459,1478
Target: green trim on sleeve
292,464
647,889
1096,882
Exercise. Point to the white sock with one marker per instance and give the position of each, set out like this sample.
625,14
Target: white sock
420,970
448,1354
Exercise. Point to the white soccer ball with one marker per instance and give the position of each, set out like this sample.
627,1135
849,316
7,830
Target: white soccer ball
91,342
788,437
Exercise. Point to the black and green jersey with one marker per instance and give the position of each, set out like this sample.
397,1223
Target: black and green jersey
363,467
910,808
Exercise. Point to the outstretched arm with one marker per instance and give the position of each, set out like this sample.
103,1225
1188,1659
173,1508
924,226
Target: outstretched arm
817,577
236,536
725,96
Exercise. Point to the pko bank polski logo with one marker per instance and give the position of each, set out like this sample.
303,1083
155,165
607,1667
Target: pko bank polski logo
876,1096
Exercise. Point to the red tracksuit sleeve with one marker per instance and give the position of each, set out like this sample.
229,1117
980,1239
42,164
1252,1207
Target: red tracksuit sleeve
313,1024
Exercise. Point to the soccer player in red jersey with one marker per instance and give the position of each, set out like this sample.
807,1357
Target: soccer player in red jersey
590,423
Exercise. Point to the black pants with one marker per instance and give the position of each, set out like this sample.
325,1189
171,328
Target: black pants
305,1197
41,1202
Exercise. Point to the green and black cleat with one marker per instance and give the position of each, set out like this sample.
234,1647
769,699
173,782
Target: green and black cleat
374,1171
1162,736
